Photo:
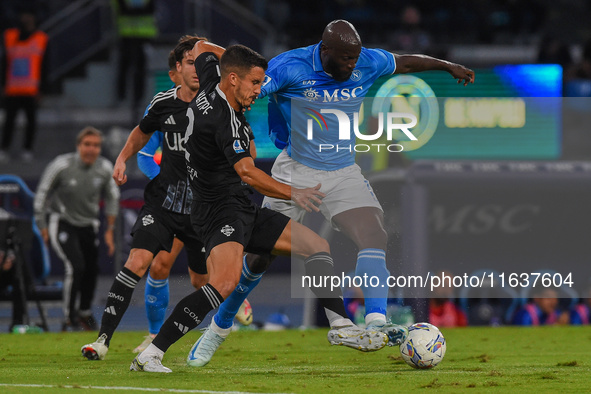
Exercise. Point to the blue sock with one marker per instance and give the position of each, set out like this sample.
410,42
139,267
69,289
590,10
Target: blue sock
230,306
156,295
373,263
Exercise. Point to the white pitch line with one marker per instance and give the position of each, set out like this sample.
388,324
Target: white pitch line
124,388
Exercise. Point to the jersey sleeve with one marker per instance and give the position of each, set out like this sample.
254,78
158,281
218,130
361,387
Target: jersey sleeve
384,61
207,66
151,120
277,77
234,144
47,184
145,157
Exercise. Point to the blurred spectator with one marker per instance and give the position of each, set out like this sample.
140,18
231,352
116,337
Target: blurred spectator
411,37
582,69
554,51
443,312
136,25
24,49
581,312
72,186
541,310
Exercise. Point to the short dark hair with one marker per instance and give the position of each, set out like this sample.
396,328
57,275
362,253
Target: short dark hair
186,43
240,59
171,60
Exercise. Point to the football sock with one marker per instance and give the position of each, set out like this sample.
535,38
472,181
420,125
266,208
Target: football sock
320,265
372,262
157,296
187,315
229,308
117,302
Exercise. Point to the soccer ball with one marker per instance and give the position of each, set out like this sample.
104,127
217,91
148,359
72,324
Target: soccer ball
424,347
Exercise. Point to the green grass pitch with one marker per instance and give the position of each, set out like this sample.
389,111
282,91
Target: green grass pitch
504,359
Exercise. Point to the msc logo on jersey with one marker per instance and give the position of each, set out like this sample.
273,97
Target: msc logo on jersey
147,220
227,230
237,147
356,75
311,94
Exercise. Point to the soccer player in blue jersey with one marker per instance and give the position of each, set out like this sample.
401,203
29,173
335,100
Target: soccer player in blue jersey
338,72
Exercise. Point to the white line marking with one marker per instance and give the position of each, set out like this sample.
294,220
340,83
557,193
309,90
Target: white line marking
123,388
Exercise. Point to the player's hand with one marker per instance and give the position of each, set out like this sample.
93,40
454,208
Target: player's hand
119,173
308,198
461,73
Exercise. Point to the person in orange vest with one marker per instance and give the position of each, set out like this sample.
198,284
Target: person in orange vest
24,48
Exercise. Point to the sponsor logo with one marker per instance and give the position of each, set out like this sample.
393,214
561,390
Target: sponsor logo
267,80
170,120
237,147
147,220
227,230
311,94
110,310
340,94
175,141
116,296
192,315
308,82
192,172
182,328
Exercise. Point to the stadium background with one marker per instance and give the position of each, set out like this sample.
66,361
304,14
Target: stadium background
485,36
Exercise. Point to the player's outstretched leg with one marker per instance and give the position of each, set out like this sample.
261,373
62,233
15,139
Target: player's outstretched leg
117,303
343,332
357,338
396,334
156,296
206,346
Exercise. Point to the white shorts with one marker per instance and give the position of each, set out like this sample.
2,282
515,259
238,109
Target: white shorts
345,188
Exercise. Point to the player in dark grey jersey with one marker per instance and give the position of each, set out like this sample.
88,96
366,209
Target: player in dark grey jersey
168,197
220,151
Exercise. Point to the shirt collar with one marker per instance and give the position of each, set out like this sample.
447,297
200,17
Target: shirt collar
316,60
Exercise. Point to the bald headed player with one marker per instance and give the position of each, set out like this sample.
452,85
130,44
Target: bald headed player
338,72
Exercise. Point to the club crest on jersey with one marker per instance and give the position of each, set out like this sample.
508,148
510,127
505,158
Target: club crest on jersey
237,147
227,230
356,75
147,220
311,94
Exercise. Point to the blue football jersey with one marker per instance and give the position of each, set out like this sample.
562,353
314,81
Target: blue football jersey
309,100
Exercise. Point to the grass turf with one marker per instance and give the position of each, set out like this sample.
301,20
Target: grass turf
504,359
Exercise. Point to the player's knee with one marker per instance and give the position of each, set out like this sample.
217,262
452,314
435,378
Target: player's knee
376,238
318,245
159,271
199,280
138,262
258,263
